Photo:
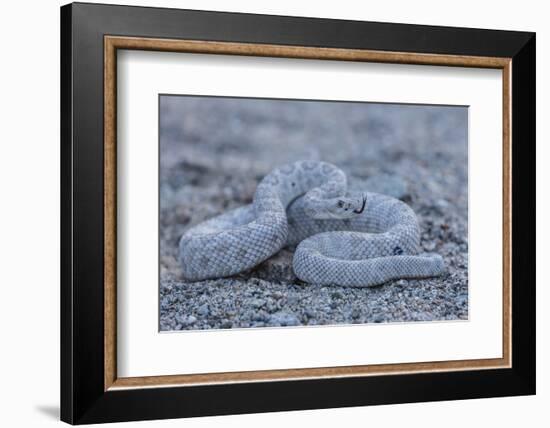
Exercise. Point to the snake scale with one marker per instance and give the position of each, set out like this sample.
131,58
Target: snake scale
347,239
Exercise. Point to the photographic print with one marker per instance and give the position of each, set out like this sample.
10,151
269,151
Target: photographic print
277,213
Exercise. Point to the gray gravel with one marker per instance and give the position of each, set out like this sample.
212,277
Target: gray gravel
215,150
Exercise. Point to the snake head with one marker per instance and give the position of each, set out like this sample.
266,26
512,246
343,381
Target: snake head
341,208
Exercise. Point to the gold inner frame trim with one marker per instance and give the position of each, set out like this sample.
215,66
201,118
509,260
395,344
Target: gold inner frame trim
113,43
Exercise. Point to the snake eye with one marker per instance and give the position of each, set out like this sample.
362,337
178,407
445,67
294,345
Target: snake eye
340,204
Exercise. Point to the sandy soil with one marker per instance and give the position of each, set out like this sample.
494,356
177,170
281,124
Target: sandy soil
215,150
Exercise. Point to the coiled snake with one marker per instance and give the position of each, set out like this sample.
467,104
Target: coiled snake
342,239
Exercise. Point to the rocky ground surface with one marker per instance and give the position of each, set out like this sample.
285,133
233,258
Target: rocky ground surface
214,152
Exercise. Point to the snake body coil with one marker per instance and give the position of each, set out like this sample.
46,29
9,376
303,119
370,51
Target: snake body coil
350,240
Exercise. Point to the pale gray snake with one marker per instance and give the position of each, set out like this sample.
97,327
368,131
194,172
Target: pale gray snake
342,239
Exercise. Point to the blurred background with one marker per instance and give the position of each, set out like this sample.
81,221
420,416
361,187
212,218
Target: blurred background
214,151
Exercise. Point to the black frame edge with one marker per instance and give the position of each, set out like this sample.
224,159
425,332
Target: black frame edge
66,306
524,215
305,31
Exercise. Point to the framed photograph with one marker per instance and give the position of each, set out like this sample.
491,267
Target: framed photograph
265,213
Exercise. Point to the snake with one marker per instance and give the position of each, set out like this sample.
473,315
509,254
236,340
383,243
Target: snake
341,238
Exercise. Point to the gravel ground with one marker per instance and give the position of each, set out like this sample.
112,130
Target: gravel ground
213,153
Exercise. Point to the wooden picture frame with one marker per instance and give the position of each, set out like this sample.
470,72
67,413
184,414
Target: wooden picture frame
91,390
